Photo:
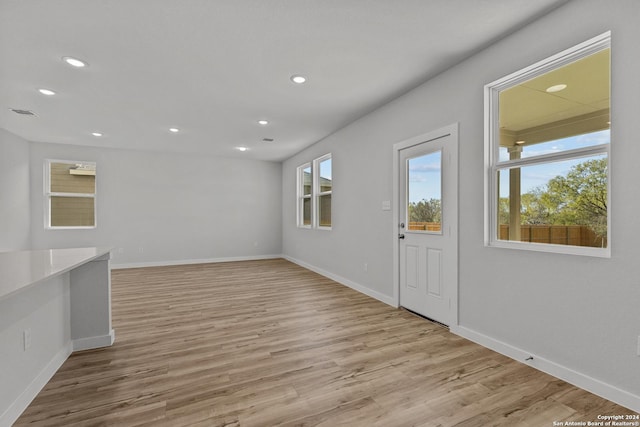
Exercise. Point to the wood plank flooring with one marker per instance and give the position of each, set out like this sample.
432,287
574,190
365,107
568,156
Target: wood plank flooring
265,343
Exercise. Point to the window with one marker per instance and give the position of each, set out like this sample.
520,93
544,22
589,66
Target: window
547,149
324,185
70,191
305,185
315,186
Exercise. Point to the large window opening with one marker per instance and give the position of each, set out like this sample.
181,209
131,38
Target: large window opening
548,144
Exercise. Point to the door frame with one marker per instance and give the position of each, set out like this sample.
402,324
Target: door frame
450,130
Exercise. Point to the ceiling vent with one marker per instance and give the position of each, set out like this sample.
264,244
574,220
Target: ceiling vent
23,112
267,139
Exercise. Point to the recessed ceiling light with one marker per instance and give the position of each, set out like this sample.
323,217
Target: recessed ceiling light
263,122
96,133
242,148
298,79
47,92
520,142
556,88
174,130
75,62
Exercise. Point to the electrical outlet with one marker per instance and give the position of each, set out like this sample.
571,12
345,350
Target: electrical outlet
26,339
366,267
638,351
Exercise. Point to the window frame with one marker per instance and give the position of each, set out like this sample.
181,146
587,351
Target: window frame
48,195
315,195
301,196
317,192
492,147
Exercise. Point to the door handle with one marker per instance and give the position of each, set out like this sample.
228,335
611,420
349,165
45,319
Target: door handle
400,236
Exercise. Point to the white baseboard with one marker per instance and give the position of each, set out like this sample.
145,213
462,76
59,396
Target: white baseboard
346,282
116,266
578,379
94,342
14,411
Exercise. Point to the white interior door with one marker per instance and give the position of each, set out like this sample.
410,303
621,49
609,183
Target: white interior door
427,227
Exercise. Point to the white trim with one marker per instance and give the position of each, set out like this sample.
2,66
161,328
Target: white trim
559,156
552,248
90,343
116,266
346,282
13,412
70,227
564,373
450,130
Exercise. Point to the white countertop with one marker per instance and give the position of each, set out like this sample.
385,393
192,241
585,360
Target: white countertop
21,269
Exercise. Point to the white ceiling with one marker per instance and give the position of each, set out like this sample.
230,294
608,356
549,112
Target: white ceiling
214,67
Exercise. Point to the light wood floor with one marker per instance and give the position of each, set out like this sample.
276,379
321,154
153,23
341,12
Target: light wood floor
266,343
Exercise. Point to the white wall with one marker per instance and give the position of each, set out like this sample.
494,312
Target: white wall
156,208
579,314
44,311
14,192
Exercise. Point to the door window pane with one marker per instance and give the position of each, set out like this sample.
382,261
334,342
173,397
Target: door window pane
425,192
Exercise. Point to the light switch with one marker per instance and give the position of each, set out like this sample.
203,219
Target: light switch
386,205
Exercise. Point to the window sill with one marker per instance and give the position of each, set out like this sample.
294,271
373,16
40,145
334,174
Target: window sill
71,228
551,248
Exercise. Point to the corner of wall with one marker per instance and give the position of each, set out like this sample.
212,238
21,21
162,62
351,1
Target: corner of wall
15,201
